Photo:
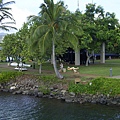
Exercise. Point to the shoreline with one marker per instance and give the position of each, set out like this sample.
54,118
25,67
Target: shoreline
28,85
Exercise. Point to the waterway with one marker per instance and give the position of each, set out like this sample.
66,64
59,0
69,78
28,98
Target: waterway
23,107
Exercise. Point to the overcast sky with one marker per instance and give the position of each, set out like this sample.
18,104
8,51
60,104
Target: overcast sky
23,8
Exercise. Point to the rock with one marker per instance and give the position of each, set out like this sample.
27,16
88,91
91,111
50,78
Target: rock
35,92
5,90
72,94
55,87
12,87
51,88
93,101
63,92
103,101
19,92
52,94
40,94
114,102
25,92
68,99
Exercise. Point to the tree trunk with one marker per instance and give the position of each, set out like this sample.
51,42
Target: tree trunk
77,57
102,56
88,57
40,69
33,65
54,62
51,59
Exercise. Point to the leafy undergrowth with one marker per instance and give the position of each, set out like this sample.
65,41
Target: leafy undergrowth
7,76
106,86
50,79
100,85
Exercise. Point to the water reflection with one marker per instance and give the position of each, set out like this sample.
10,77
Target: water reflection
20,107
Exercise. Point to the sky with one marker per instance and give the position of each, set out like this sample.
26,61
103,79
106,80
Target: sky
23,8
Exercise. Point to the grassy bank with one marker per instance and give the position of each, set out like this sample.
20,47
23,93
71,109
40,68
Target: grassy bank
7,76
105,86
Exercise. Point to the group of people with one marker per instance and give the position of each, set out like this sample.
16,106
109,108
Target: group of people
62,69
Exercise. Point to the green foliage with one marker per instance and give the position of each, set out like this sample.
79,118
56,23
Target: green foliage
48,78
77,88
9,46
7,76
98,86
44,90
16,45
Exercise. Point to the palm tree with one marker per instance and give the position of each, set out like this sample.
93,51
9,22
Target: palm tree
50,23
5,15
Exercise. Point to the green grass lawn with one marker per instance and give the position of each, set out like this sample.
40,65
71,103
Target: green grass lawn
94,69
102,69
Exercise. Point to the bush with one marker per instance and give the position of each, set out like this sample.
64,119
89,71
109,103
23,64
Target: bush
44,90
7,76
98,86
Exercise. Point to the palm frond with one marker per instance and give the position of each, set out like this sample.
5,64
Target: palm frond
41,37
71,38
40,31
7,28
8,3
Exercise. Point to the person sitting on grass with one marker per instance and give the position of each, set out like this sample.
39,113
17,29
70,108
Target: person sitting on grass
61,67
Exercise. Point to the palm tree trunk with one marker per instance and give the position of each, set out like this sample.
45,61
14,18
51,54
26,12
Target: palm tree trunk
54,62
51,59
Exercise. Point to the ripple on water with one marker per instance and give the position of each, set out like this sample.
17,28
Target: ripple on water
22,107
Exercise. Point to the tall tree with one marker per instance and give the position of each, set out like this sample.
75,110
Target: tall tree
8,46
105,32
84,36
52,23
104,23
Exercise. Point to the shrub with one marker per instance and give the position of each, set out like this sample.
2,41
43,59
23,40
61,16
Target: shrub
77,88
48,78
44,90
7,76
98,86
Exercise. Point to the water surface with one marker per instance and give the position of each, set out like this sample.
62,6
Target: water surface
22,107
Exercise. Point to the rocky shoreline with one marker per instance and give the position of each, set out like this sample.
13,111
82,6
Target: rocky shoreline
30,86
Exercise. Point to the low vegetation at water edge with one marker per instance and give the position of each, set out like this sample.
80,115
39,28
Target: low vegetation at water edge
7,76
106,86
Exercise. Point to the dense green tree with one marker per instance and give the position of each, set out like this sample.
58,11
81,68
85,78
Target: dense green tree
105,31
102,24
8,46
16,45
84,36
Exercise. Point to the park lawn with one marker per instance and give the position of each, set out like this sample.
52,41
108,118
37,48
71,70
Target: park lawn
101,69
93,69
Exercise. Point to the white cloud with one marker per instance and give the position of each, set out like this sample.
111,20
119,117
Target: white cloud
20,16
